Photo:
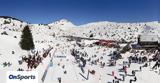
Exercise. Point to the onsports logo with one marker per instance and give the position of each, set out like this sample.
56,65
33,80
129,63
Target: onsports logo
21,77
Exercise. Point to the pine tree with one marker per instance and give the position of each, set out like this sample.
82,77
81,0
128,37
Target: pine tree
26,42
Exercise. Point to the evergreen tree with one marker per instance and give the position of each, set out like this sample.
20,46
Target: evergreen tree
26,42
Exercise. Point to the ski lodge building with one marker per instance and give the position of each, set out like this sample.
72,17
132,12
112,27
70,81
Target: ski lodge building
148,39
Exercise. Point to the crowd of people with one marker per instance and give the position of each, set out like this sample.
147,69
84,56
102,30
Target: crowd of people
79,57
137,59
35,59
32,61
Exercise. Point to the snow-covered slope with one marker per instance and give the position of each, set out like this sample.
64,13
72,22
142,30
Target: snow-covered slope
11,23
51,35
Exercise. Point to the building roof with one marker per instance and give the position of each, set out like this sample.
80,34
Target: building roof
149,38
148,35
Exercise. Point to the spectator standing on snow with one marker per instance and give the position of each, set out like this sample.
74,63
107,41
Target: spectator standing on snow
129,65
116,79
59,79
140,68
135,78
123,77
125,70
113,74
113,81
133,72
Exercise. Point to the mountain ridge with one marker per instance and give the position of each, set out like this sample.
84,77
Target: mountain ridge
66,21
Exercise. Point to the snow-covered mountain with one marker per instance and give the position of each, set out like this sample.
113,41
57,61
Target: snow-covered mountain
61,23
103,29
51,35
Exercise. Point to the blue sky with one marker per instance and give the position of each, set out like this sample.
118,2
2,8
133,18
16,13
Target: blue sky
81,11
